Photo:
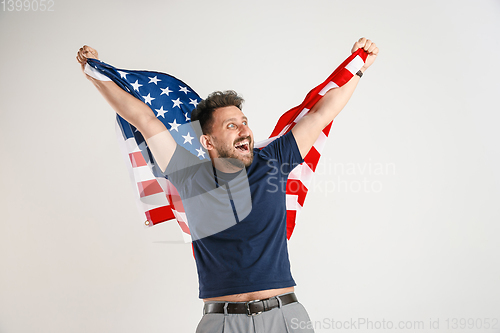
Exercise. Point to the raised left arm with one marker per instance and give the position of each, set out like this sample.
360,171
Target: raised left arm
308,128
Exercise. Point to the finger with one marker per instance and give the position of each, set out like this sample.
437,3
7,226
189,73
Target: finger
82,64
359,44
355,47
90,52
367,45
81,58
89,49
372,48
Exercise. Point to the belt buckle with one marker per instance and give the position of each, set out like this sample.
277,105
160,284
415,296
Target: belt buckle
247,304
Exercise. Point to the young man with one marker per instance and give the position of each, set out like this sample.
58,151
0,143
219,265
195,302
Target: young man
234,204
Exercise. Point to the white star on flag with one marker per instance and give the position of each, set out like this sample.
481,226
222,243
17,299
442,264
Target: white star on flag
148,99
200,152
177,103
123,74
136,85
188,138
161,112
174,125
184,89
154,80
187,117
194,102
165,91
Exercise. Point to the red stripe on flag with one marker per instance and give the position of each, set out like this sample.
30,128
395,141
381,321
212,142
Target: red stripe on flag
184,227
137,159
312,158
296,187
160,214
171,189
176,203
290,222
326,130
149,187
174,197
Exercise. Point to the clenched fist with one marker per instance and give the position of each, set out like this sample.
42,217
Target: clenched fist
369,47
85,53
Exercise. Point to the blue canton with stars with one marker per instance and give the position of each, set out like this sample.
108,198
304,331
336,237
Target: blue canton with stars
171,100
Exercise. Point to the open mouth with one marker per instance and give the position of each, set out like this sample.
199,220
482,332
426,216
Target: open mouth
243,146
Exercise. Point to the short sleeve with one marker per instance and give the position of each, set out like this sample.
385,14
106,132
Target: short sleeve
182,164
285,151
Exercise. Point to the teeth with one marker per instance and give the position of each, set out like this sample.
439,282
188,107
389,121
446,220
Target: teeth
241,144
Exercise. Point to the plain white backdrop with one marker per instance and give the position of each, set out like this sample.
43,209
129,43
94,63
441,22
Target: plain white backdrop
402,224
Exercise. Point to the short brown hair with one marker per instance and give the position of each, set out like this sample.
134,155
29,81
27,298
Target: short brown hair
218,99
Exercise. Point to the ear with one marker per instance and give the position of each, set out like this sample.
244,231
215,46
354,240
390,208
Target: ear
206,142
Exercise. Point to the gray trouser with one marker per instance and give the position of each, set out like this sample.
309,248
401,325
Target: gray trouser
290,318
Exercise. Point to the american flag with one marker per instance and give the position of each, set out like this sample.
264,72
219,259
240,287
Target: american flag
172,101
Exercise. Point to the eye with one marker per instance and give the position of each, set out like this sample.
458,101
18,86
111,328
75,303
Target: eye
245,123
230,126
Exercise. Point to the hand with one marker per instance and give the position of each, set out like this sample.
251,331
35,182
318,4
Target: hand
86,52
369,47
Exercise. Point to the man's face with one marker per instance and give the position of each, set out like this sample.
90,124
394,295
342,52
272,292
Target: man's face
231,136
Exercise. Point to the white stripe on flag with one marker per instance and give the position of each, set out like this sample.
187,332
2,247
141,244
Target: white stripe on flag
303,173
299,209
131,145
186,237
306,175
91,71
283,131
355,65
330,85
296,172
302,114
154,201
291,202
263,143
163,184
180,216
143,173
320,142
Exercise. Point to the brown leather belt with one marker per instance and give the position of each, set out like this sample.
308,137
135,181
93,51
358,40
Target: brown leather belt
250,308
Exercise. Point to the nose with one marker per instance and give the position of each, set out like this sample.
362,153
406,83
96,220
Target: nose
244,131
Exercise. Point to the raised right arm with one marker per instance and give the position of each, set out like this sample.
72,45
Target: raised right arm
136,112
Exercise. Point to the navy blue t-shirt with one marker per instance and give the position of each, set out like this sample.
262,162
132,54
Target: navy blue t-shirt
238,221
